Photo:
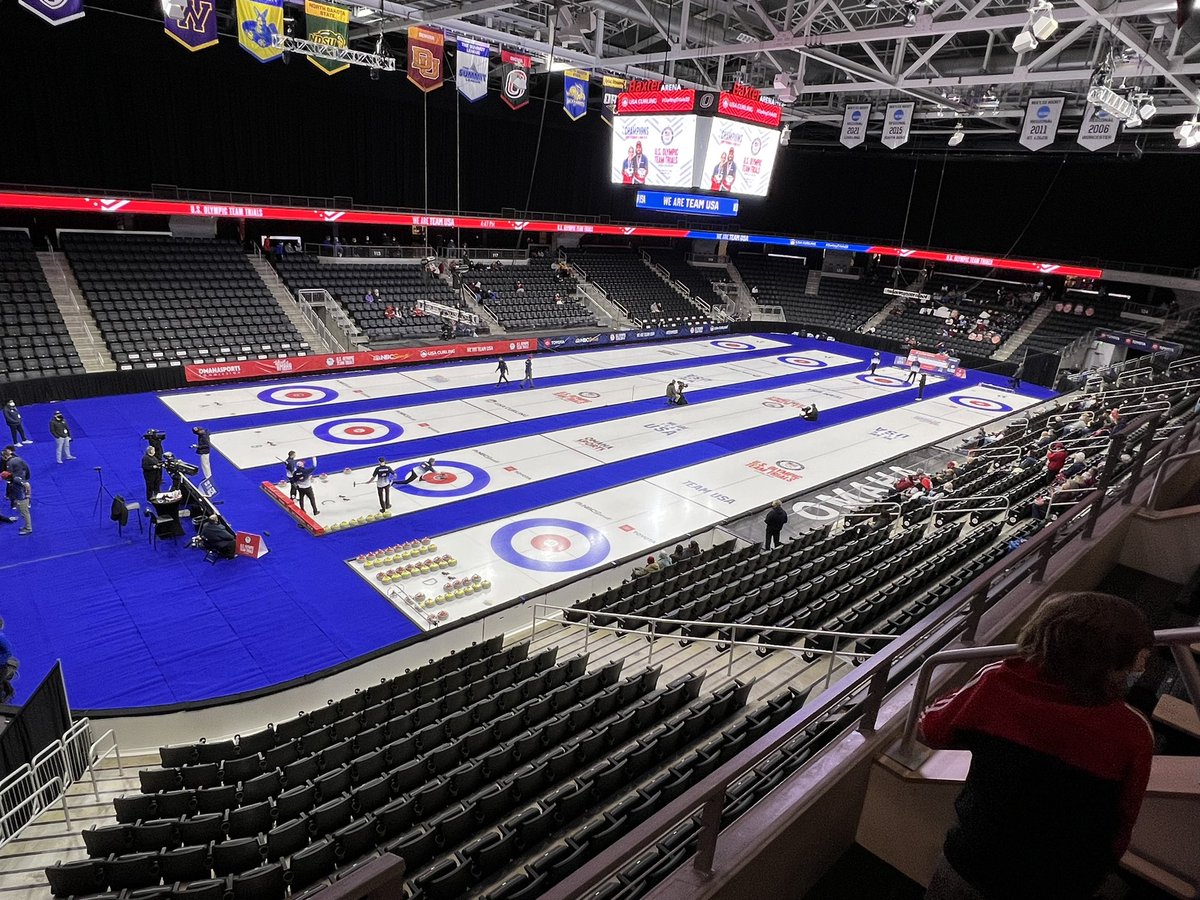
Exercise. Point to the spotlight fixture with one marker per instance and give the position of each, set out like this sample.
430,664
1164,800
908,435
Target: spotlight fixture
1111,102
957,137
1146,107
1188,134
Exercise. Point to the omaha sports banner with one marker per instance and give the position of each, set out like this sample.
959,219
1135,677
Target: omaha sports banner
613,86
896,123
55,11
197,27
426,57
471,69
515,90
1098,128
854,124
1041,122
575,93
260,22
327,26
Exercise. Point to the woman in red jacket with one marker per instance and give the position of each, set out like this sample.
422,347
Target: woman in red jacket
1056,458
1059,763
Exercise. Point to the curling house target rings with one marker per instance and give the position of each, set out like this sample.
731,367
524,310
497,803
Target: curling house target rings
550,545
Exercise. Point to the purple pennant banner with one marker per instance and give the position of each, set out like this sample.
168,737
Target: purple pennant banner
55,11
197,27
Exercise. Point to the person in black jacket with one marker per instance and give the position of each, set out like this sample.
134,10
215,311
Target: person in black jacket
62,437
152,472
203,448
12,418
216,537
776,518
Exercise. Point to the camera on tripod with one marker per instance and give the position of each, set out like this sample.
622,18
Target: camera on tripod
176,466
155,439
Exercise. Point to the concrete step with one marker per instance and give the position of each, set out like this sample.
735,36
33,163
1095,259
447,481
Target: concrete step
81,325
288,304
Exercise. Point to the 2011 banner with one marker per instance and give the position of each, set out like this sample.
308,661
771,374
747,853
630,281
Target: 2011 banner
328,25
471,69
516,79
260,22
575,93
196,28
426,57
55,11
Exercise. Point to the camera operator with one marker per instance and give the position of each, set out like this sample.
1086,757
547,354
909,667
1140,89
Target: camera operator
203,448
214,536
152,472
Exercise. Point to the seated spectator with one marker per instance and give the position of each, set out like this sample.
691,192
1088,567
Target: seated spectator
904,483
520,287
1076,465
558,300
369,298
650,566
1083,423
664,559
678,555
1045,439
390,312
693,549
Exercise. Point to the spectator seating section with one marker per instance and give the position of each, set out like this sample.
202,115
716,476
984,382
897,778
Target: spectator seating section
927,329
698,279
464,767
1073,316
33,337
635,286
401,286
840,303
161,300
534,307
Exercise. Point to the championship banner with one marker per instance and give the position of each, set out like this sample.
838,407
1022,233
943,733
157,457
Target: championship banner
426,57
613,86
515,90
854,124
196,28
328,25
260,22
55,11
896,123
471,69
1041,122
1098,129
575,93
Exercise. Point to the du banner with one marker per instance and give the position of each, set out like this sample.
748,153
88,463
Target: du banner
260,22
612,87
575,93
854,124
328,26
197,27
55,11
1098,128
426,57
516,78
471,69
1041,122
896,122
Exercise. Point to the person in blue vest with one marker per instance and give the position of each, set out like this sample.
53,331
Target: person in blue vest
419,471
502,368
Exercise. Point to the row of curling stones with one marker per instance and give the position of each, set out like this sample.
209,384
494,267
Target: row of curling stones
453,590
360,520
398,552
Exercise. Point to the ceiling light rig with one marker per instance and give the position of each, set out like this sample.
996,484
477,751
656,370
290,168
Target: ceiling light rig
957,137
1188,134
1041,26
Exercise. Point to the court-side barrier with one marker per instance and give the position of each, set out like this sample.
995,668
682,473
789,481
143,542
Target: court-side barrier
339,362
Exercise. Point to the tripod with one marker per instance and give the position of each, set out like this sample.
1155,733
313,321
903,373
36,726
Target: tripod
101,490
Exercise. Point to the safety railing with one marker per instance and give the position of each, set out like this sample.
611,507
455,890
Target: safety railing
658,627
42,782
907,751
368,251
865,687
340,339
999,503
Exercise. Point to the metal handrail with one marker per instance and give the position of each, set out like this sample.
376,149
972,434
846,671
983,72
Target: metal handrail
906,751
956,618
94,758
40,806
1003,507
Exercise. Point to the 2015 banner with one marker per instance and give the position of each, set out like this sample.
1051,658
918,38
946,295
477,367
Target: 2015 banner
328,25
613,86
1098,128
896,123
854,124
575,93
1041,122
55,11
260,22
471,69
516,78
426,57
196,28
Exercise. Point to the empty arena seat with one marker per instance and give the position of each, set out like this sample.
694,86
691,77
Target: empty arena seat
530,296
640,290
34,341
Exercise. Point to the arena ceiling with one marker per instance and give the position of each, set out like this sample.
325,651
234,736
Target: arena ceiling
954,58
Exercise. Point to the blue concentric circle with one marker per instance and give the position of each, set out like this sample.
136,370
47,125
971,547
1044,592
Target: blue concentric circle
517,541
297,395
467,479
980,403
358,431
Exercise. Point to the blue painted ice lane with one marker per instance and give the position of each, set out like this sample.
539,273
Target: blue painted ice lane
387,441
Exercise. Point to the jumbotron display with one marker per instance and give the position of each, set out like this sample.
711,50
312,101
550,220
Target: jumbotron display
698,140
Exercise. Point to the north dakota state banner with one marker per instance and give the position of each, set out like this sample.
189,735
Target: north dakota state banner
197,27
260,22
575,93
426,57
328,26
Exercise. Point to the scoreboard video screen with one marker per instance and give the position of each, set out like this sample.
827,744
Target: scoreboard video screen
695,140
